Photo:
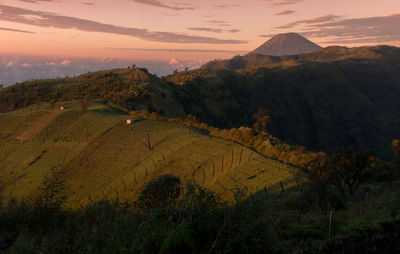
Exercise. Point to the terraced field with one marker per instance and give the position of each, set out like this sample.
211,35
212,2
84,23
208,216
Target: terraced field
103,157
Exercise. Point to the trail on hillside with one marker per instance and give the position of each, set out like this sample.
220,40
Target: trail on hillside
38,126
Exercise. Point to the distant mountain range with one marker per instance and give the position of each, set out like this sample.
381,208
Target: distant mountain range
285,45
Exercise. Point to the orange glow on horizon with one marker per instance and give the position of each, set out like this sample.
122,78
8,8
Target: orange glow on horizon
199,31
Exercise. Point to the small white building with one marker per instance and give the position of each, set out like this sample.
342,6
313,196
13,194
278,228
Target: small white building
130,121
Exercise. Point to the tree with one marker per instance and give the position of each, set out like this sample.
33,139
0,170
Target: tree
261,118
237,62
84,104
345,170
53,190
160,192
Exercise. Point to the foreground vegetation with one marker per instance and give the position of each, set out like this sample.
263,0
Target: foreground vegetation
170,216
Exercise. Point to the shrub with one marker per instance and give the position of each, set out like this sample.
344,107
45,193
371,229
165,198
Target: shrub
181,240
53,190
160,192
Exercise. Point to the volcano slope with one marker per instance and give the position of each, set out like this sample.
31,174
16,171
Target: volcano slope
101,157
332,99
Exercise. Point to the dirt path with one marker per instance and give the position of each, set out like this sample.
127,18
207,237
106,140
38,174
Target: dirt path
38,126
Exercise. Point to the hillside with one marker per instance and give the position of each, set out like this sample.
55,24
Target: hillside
133,88
334,98
101,156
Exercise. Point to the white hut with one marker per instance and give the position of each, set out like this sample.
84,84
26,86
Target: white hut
130,121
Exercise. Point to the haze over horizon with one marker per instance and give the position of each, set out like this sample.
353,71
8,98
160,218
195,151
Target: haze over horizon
180,34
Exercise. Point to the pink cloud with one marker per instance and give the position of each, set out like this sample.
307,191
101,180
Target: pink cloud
283,2
285,12
174,61
66,62
320,19
157,3
53,20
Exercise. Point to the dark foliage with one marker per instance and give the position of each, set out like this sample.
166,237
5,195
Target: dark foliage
160,192
332,99
197,221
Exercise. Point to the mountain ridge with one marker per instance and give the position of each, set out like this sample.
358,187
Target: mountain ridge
332,98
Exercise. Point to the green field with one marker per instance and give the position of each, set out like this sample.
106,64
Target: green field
102,157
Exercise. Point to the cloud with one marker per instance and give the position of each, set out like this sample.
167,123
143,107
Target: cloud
174,61
66,62
171,14
285,12
362,30
266,35
181,50
45,19
233,30
39,67
16,30
225,6
213,30
35,1
218,22
320,19
206,29
88,3
283,2
157,3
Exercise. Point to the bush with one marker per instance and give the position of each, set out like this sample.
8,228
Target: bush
160,192
53,190
181,240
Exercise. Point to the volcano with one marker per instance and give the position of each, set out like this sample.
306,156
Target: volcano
285,45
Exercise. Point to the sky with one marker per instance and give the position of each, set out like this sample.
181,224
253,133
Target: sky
199,30
55,38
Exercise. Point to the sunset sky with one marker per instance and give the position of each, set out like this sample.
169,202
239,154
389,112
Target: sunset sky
198,30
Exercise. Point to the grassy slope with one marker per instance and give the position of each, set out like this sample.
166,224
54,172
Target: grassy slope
102,156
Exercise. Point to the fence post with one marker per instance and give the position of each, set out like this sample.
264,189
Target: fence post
330,223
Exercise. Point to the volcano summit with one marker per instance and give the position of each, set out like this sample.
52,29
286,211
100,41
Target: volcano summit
285,45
